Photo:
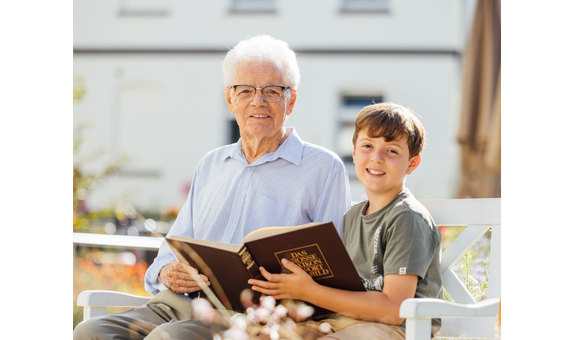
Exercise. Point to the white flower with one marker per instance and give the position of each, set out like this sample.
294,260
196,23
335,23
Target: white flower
203,310
304,311
324,327
269,303
281,310
262,314
239,320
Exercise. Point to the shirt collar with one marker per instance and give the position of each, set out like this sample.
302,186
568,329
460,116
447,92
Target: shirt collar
291,150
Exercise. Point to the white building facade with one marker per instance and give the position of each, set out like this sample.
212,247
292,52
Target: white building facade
154,85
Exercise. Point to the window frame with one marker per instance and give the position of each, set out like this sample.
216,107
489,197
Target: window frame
253,7
365,6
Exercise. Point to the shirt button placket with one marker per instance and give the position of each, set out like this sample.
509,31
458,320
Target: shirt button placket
236,224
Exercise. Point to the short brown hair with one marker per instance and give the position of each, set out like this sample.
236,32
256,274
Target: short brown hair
391,121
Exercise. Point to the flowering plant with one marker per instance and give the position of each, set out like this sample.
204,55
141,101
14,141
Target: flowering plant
265,321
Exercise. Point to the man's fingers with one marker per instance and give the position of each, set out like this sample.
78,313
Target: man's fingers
187,278
186,283
182,290
185,286
177,275
183,283
186,274
183,275
182,267
180,280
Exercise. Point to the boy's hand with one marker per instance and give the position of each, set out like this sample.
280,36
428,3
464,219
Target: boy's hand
284,286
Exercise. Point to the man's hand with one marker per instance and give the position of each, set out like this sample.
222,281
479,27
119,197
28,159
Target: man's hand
178,278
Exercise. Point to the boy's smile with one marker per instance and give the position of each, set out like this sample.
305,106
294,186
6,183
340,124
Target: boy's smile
382,165
375,172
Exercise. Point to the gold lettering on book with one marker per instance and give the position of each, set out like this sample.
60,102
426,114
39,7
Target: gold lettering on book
309,258
246,258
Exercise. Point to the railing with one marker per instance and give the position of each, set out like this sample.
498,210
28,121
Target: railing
118,241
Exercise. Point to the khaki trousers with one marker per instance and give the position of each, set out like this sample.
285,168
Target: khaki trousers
346,328
168,315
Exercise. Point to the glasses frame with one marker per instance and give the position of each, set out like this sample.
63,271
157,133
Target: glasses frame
262,89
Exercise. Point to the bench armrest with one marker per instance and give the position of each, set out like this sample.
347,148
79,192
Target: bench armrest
96,302
476,319
108,298
435,308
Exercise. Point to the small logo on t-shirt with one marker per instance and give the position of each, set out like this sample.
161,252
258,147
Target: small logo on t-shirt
403,270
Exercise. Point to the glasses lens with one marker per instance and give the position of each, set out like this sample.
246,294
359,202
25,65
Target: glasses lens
273,92
245,91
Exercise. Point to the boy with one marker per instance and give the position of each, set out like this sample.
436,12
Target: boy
391,238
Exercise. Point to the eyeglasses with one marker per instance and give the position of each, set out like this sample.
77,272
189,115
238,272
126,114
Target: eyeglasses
248,92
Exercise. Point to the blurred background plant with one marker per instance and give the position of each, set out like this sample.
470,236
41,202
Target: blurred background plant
107,270
84,181
95,268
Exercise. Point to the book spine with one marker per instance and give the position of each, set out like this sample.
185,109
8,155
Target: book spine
251,265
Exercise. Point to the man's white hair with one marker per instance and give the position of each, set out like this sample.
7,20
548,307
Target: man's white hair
263,49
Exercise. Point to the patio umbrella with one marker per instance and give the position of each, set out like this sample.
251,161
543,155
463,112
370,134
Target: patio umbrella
480,126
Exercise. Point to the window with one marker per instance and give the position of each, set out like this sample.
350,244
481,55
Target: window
360,101
364,6
351,104
253,6
233,131
148,8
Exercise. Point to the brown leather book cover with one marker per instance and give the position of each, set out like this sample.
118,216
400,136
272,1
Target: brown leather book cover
315,247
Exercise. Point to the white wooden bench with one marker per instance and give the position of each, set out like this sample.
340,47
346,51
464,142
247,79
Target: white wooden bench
462,318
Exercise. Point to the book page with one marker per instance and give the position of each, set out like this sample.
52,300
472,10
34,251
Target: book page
271,231
218,245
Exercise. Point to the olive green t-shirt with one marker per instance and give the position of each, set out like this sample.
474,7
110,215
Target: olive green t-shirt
401,238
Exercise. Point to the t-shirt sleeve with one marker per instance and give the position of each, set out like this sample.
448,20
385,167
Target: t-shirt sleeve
409,245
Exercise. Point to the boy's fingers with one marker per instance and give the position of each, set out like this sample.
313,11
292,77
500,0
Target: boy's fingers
269,276
294,268
276,294
263,284
267,291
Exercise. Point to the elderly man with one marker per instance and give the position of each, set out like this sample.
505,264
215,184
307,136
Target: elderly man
270,177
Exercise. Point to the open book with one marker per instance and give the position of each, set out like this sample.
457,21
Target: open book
315,247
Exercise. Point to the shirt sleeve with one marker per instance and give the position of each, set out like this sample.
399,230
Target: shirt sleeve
335,199
183,226
410,243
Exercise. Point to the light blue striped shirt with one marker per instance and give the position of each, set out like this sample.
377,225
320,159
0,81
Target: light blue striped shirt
298,183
